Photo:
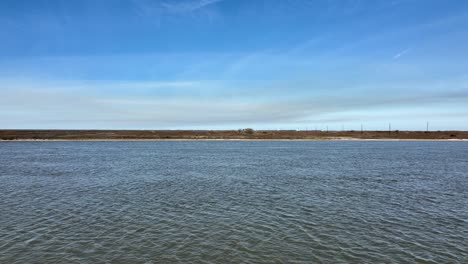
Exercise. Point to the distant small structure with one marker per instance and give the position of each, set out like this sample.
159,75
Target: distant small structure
249,131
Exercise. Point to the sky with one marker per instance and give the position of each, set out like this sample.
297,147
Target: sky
229,64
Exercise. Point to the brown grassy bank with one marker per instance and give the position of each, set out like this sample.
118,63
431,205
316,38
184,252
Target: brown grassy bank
224,134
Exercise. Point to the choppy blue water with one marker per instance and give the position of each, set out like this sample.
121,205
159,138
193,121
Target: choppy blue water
234,202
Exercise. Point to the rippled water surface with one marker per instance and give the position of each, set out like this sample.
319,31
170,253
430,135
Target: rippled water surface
234,202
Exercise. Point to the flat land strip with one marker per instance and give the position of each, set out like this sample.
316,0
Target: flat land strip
227,135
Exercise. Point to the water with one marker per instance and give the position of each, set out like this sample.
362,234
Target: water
234,202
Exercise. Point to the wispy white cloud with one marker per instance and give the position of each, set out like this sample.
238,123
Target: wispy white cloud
159,8
376,39
401,53
187,6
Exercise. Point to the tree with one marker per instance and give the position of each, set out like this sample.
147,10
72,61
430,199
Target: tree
249,131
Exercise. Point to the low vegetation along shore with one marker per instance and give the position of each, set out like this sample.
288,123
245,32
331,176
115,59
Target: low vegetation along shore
242,134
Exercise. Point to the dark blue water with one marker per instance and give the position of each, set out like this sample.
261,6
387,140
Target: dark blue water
234,202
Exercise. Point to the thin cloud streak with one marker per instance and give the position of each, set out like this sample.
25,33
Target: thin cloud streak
171,7
190,6
401,53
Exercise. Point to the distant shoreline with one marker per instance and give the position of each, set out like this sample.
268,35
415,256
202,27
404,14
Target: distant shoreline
228,135
232,140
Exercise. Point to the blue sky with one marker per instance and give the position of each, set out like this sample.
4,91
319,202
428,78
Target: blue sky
228,64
